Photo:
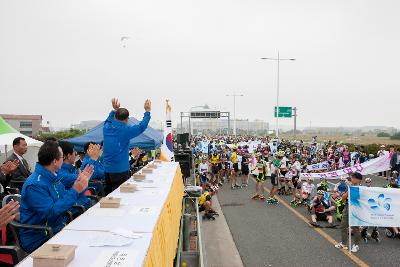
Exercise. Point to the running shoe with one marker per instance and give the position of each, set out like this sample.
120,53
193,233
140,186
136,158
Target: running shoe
375,236
341,246
355,248
256,196
272,200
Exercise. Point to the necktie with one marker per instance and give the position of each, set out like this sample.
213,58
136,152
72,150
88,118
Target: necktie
25,164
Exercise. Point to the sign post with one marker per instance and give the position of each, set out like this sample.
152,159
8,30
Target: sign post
284,112
287,112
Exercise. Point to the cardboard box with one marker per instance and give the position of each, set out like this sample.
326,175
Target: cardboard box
152,166
53,255
139,177
110,202
128,188
147,171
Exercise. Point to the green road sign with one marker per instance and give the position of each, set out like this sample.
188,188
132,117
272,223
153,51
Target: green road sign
284,112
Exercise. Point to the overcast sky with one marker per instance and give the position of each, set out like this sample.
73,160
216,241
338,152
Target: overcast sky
65,59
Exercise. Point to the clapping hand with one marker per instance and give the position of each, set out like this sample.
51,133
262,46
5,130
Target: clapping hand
147,105
94,151
115,103
83,179
9,212
9,166
135,152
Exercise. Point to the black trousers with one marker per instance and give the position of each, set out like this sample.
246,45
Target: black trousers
114,180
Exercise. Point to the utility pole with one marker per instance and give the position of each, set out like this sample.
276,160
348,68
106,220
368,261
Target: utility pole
278,59
295,122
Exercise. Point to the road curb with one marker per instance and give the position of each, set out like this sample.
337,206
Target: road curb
220,248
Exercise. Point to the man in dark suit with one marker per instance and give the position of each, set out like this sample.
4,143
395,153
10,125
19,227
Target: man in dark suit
395,161
6,170
20,148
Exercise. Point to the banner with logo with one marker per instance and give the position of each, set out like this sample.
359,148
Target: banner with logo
374,206
369,167
204,146
319,166
252,146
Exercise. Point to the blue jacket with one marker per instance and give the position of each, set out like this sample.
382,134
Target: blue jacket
98,173
68,175
44,201
116,142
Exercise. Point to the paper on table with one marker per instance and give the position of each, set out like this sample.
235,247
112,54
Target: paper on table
153,192
126,233
124,203
105,212
143,210
120,258
106,239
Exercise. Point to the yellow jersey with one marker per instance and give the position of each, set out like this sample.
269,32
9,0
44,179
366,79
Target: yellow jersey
234,158
215,159
203,198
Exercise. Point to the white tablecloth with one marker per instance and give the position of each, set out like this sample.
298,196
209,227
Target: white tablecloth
139,212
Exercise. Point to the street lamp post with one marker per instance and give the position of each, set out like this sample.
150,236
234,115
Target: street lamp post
278,59
234,112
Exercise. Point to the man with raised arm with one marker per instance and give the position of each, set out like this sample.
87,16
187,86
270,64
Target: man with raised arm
117,134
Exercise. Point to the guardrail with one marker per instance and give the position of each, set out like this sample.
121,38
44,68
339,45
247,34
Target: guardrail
190,252
190,246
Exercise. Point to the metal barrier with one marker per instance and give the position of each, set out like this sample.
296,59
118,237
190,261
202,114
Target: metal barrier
190,252
190,247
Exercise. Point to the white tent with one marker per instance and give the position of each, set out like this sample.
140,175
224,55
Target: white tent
6,141
8,134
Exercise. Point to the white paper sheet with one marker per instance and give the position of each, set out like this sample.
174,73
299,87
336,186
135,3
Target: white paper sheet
141,210
126,233
107,239
106,212
111,258
153,192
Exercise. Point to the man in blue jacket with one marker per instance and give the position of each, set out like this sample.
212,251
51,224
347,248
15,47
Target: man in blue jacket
44,199
117,134
92,154
68,173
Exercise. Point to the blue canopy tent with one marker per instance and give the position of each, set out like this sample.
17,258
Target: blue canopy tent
148,140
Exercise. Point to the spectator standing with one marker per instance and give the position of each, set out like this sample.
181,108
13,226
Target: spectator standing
20,148
117,134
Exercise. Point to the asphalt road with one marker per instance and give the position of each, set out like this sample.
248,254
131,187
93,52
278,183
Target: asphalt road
268,235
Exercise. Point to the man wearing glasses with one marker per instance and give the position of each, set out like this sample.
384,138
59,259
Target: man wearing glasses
44,199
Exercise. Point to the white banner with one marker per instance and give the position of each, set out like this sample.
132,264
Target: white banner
253,145
204,147
319,166
372,166
374,206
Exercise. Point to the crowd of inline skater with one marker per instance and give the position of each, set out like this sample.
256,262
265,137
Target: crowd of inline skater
233,161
